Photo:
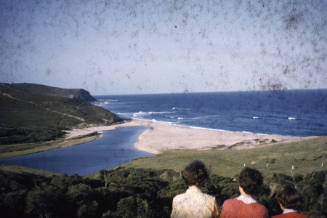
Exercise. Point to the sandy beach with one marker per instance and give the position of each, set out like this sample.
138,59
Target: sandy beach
161,136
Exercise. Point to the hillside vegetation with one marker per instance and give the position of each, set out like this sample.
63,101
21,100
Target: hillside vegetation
79,94
306,156
31,115
128,192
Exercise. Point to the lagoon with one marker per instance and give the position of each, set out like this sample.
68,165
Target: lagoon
114,148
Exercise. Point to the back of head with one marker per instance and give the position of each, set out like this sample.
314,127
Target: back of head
250,180
289,197
195,173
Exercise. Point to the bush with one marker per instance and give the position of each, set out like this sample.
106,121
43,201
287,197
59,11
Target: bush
134,193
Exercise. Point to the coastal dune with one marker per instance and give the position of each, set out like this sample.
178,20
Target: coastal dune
160,136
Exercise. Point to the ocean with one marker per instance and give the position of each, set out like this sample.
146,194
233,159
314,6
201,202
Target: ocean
286,112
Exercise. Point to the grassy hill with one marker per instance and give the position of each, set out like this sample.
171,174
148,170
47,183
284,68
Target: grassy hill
79,94
28,116
306,156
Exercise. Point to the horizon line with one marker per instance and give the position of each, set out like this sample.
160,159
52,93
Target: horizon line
207,92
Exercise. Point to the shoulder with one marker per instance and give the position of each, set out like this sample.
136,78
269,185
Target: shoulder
258,205
260,208
209,197
178,198
300,215
230,203
278,216
291,215
210,201
230,208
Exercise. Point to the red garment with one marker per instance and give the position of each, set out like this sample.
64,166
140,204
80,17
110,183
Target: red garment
234,208
291,215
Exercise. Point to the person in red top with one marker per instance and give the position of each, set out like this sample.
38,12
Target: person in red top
289,200
245,206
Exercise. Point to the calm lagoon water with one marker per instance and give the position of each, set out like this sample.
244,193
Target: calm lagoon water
113,149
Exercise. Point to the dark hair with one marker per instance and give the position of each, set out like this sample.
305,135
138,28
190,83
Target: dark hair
289,197
195,173
250,180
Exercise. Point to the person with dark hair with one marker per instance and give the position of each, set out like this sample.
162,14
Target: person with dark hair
245,206
289,200
194,203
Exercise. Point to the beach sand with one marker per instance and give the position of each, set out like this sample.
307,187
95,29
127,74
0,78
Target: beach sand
161,136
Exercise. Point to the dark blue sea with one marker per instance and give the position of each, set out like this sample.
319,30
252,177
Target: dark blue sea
287,112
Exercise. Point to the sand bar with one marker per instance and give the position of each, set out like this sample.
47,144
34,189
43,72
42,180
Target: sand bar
161,136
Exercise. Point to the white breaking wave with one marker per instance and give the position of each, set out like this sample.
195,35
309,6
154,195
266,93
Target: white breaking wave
247,132
161,122
181,108
155,121
203,117
125,114
102,102
142,113
291,118
138,114
160,112
204,128
254,117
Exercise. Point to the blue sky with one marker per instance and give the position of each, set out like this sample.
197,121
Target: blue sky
155,46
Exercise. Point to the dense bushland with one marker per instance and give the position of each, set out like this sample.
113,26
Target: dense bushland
129,192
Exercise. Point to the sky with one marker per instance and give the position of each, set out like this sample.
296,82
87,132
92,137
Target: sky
164,46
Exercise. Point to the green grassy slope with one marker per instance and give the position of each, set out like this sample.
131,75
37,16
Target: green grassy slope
307,156
28,117
79,94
